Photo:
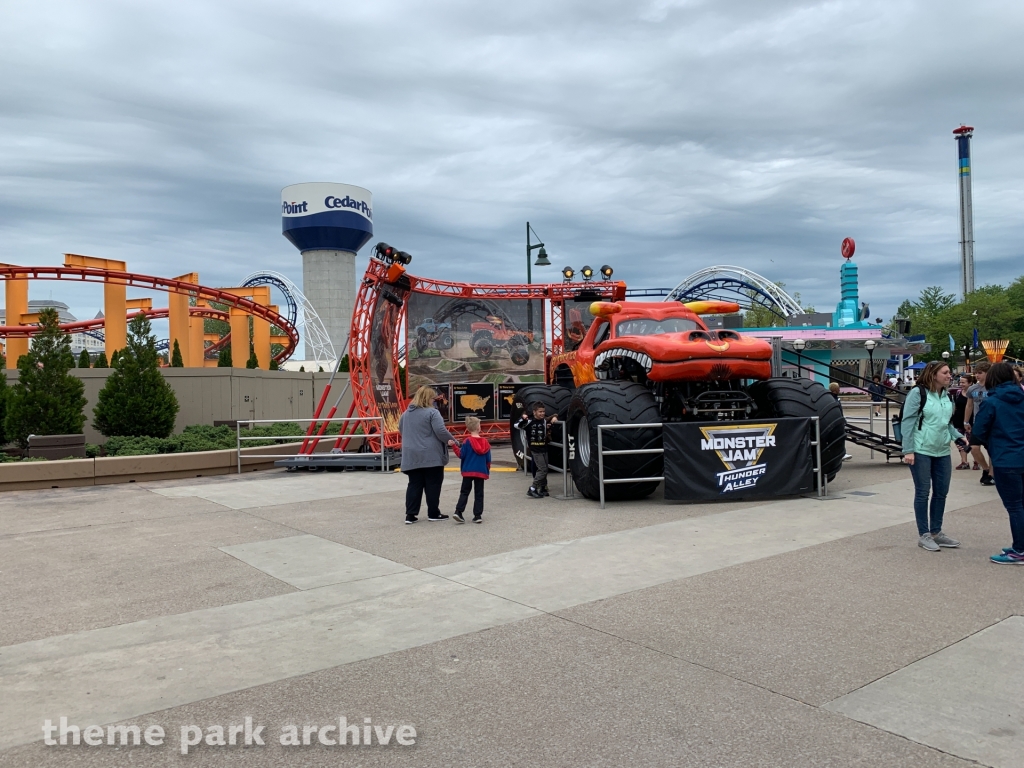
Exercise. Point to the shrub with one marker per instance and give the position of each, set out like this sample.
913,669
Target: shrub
136,400
101,360
197,437
3,401
253,361
224,357
46,400
83,360
176,361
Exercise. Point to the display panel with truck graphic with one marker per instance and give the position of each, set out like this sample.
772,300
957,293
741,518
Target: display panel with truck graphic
451,339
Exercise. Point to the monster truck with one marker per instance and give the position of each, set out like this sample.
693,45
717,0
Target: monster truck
431,334
650,363
496,334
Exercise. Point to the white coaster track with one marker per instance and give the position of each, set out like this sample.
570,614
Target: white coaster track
728,283
301,313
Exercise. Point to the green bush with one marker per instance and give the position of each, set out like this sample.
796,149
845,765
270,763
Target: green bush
83,360
198,437
46,400
136,400
176,361
224,357
101,360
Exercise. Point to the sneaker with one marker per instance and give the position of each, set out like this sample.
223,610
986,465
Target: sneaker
544,492
927,542
1008,558
532,493
964,465
945,541
986,479
410,520
478,519
976,465
847,457
458,518
439,517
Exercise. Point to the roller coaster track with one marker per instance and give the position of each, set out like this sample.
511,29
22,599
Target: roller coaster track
727,283
300,313
153,283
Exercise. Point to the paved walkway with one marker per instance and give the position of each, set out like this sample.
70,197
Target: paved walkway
797,632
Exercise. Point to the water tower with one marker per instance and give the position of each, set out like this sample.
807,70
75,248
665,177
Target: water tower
328,223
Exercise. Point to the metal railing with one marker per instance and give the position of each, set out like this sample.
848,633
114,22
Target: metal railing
821,479
297,438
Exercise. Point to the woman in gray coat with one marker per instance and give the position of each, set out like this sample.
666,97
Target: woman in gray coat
425,444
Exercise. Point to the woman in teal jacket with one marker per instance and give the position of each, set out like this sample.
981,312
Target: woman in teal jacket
927,434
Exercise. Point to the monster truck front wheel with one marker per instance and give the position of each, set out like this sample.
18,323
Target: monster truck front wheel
446,341
482,344
614,402
556,402
519,355
803,397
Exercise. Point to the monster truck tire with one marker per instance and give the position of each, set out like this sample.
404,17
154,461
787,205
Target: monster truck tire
556,401
421,344
614,402
519,355
803,397
482,344
446,341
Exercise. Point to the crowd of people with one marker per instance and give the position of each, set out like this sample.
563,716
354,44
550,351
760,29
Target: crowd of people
985,422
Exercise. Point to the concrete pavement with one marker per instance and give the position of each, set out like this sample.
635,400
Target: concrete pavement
795,632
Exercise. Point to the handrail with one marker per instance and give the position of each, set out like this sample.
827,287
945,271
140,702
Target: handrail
250,422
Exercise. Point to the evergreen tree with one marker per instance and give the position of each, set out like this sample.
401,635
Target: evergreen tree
302,369
83,360
224,357
253,361
136,400
176,361
46,400
101,360
273,365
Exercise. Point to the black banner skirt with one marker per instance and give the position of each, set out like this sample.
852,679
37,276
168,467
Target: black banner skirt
738,459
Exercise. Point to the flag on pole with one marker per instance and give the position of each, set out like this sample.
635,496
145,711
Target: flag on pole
952,344
976,344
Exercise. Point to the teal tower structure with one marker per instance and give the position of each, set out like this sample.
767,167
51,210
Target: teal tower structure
849,313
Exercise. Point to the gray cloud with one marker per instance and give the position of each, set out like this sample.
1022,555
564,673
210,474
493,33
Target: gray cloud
659,137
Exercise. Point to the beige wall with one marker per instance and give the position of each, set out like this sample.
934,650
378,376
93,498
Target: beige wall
206,395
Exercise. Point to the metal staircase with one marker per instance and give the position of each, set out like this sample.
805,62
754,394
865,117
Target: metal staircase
881,443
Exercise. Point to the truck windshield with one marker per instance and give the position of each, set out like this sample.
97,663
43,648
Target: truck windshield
643,327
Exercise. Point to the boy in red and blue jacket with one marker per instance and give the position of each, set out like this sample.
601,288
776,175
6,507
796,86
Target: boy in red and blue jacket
475,453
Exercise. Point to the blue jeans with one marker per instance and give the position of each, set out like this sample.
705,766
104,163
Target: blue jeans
930,473
1010,484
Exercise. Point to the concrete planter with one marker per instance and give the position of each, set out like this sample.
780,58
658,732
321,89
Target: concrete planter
22,476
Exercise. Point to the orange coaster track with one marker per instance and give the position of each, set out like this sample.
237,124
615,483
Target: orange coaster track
150,282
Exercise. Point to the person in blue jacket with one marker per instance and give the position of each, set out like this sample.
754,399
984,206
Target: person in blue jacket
475,454
999,426
927,434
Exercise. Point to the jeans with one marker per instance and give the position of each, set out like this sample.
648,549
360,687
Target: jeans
425,479
477,486
1010,484
540,461
930,472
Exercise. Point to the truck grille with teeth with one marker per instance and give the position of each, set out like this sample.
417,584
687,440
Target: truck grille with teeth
640,357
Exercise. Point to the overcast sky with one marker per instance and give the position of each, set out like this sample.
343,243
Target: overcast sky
658,137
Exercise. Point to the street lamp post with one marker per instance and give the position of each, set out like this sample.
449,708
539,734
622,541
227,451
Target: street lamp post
870,345
798,346
542,255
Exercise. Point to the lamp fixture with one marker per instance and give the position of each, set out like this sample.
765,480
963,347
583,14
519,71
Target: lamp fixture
587,272
568,273
606,272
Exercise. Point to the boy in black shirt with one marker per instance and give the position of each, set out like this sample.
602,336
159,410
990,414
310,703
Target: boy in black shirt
536,437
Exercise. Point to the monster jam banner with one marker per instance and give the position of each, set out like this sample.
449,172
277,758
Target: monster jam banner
728,460
468,340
